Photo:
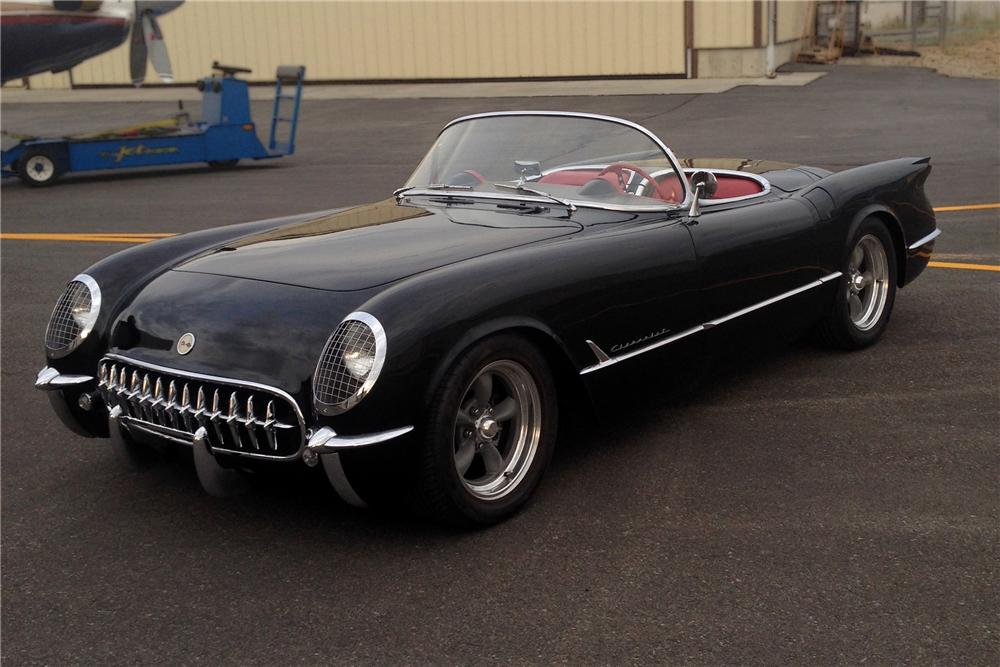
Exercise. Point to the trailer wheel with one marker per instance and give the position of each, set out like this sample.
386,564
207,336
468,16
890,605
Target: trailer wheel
222,164
38,168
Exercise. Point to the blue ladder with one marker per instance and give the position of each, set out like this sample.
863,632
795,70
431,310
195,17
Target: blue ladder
288,75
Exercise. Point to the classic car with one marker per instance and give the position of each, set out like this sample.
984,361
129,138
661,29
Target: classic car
531,255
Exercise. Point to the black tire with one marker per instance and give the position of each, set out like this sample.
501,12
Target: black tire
222,165
445,495
841,329
39,167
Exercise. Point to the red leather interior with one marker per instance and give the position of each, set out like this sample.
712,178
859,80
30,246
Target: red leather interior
730,185
736,186
575,177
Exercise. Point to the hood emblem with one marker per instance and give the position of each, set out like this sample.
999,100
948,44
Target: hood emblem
185,343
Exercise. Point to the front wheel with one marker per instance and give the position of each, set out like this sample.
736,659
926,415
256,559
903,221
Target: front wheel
490,434
866,290
38,168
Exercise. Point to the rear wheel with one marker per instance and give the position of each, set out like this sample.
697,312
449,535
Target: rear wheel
38,168
490,434
866,290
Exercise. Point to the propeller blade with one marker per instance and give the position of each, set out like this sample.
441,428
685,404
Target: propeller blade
157,48
137,54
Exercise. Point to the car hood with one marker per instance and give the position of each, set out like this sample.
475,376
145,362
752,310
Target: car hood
372,245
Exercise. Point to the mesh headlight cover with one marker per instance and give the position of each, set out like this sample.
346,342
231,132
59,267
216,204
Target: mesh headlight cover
73,317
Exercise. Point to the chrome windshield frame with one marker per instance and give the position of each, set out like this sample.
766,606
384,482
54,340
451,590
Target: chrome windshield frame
684,204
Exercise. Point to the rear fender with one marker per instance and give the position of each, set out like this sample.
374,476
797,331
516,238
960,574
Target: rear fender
892,191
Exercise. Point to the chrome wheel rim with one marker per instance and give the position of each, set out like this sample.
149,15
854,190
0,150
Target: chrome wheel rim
867,282
39,168
497,429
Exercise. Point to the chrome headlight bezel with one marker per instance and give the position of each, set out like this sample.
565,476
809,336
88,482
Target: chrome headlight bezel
331,361
85,325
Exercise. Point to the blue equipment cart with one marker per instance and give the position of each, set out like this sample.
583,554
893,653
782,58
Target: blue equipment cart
225,135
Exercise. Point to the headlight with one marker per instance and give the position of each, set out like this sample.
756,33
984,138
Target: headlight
73,317
349,365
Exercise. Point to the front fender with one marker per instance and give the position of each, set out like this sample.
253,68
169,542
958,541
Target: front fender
430,319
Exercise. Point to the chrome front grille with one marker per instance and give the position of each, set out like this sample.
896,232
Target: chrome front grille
333,384
241,418
63,328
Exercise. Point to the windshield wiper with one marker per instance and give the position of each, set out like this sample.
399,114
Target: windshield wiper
433,186
540,193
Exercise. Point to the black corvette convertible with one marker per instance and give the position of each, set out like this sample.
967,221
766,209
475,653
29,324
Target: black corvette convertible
531,254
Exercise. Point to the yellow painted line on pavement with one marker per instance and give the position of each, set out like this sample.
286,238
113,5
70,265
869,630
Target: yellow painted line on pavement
966,207
84,238
967,267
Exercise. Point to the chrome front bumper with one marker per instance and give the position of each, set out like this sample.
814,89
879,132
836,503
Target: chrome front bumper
322,444
49,379
326,441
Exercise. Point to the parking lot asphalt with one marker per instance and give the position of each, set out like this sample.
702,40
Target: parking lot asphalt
807,507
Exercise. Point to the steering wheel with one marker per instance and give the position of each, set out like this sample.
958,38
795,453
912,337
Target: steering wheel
618,167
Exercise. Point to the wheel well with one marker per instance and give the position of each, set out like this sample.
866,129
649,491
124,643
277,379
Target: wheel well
899,246
566,376
572,392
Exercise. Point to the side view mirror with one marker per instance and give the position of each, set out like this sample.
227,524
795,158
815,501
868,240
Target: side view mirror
704,185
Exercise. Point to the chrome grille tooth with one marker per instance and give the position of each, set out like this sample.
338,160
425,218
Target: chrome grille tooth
133,396
102,374
199,406
156,404
215,417
113,377
145,398
185,410
171,407
250,422
234,415
269,426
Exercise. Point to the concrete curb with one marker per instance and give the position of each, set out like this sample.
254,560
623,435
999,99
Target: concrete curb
486,89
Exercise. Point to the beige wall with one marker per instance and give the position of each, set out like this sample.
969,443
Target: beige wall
794,19
723,24
455,39
393,39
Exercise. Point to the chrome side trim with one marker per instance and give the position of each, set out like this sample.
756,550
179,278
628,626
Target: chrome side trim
772,300
610,361
927,239
634,353
49,379
601,355
685,203
326,440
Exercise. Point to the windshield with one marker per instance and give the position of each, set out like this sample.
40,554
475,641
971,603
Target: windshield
579,159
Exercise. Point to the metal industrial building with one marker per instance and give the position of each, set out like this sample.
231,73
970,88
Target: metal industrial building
446,40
